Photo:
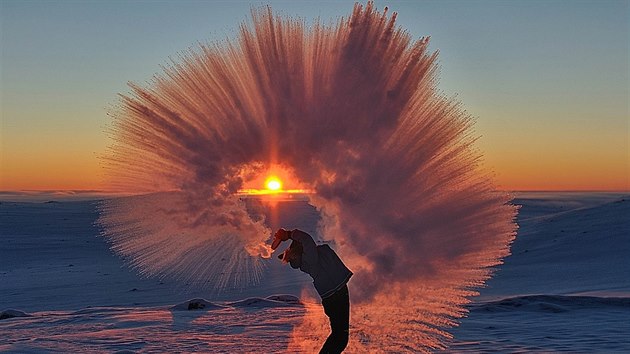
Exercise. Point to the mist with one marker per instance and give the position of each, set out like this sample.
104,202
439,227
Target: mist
353,110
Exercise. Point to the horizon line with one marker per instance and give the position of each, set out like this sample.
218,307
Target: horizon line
72,191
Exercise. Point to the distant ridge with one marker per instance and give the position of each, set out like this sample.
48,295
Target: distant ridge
551,303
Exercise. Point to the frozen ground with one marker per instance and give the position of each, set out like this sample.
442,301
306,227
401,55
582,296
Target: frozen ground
565,288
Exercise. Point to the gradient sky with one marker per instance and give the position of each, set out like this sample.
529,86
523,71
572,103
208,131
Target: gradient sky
547,80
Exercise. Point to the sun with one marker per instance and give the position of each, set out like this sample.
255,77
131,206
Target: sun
273,183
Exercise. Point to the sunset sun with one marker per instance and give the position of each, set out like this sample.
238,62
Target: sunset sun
276,182
273,183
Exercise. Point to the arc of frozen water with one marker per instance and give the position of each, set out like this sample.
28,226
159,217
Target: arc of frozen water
354,112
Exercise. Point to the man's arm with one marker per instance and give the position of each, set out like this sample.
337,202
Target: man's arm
308,246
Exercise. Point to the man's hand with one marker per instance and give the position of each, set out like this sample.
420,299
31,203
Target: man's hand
278,237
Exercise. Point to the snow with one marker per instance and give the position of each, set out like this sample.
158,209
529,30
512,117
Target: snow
569,245
152,329
269,301
580,245
196,304
10,313
53,259
564,288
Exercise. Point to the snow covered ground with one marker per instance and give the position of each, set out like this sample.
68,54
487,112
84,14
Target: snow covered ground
566,287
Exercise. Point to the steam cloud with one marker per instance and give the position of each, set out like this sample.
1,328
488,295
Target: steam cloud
354,112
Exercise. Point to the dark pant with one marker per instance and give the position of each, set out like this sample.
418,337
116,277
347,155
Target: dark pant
337,308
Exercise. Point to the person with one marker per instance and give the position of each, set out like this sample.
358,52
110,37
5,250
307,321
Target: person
330,278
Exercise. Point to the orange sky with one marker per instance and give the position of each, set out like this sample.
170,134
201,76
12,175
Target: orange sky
81,170
51,170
